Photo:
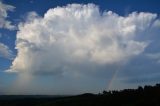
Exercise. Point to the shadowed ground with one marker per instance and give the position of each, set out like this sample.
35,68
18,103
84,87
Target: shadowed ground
147,96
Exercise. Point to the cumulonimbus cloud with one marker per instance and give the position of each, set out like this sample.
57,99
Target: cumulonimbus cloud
76,34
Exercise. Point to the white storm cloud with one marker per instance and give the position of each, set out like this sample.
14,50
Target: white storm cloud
4,8
78,35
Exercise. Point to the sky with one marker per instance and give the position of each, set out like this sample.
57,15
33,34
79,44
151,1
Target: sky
61,47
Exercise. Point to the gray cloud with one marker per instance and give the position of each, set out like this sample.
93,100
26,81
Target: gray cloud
144,79
154,56
5,52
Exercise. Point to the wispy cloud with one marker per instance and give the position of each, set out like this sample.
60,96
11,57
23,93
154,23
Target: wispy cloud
5,52
4,23
154,56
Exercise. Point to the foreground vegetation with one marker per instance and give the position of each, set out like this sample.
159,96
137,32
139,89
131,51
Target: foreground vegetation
147,96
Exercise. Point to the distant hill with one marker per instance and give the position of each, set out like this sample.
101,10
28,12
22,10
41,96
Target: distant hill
142,96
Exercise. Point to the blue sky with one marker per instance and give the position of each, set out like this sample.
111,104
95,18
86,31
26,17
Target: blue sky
78,46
